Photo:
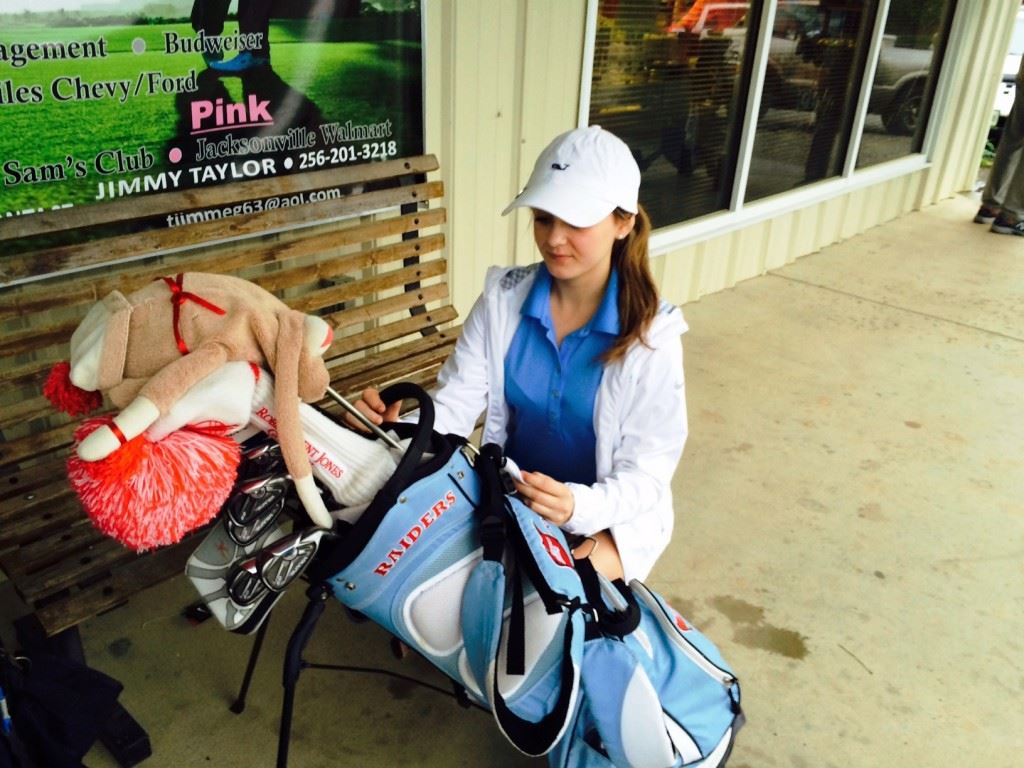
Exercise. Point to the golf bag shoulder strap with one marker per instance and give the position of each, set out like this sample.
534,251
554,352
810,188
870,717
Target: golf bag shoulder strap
515,538
537,738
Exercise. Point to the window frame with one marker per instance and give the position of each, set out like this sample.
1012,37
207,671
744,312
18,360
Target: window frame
741,214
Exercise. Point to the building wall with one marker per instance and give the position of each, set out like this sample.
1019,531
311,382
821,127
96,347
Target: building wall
504,77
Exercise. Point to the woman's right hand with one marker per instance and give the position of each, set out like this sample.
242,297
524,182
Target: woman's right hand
372,407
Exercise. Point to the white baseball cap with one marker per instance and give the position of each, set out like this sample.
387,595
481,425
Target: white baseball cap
581,177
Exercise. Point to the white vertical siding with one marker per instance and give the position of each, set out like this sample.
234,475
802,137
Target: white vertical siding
986,33
504,77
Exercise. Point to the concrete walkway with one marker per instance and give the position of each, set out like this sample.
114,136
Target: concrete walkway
851,524
850,532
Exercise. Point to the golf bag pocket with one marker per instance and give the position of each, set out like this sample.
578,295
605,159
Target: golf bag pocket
659,695
410,576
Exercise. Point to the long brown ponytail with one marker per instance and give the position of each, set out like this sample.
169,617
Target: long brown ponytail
638,294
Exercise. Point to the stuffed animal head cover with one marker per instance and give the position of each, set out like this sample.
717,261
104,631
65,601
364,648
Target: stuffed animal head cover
129,338
145,350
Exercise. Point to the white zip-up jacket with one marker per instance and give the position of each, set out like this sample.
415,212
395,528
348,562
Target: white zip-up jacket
639,417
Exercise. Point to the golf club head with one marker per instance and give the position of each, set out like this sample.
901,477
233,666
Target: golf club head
275,566
255,505
262,457
245,587
257,583
284,561
214,566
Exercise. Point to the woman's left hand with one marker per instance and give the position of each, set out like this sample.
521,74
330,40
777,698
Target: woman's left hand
547,497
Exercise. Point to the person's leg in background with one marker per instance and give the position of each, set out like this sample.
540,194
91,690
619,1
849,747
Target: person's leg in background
254,19
1002,200
1008,185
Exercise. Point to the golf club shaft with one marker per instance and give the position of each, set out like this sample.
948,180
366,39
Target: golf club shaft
362,419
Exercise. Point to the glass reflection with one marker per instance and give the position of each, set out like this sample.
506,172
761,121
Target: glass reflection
904,79
812,81
667,80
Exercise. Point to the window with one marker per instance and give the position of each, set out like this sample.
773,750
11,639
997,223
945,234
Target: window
811,85
670,79
673,78
904,81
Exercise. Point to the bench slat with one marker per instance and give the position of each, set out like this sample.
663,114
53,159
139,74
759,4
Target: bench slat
38,443
26,373
70,291
25,410
381,376
424,377
132,576
205,197
72,550
30,339
32,523
325,270
345,368
369,285
123,247
19,481
390,305
391,331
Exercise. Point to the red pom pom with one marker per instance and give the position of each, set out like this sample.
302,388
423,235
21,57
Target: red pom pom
149,494
65,396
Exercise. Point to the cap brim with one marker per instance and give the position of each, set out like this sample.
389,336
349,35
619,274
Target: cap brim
571,209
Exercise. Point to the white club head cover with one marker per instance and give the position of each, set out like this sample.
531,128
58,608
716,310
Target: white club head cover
351,466
224,397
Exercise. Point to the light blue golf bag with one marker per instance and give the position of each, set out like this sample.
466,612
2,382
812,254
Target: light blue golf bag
656,692
589,672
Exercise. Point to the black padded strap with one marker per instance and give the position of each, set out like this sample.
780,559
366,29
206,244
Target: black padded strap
610,622
497,531
400,480
554,602
515,652
492,511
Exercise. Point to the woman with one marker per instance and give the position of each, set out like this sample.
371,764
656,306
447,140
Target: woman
577,362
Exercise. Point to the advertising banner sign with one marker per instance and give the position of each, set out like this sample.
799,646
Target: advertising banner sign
103,100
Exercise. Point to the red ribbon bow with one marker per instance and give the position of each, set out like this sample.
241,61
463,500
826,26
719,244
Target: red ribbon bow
178,297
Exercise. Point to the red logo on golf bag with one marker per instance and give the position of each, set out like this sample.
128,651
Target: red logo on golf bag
412,535
555,549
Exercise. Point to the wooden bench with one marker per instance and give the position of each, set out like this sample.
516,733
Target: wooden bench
365,254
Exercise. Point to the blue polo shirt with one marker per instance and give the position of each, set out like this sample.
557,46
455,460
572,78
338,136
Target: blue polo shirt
550,389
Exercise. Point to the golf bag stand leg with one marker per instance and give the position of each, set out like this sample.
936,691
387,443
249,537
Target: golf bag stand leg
318,595
257,645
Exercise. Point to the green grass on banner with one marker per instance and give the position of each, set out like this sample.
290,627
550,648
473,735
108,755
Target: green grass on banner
361,82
